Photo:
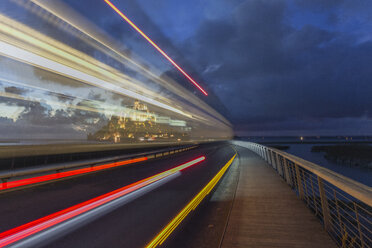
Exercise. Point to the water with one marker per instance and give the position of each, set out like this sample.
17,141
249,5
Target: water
302,149
360,174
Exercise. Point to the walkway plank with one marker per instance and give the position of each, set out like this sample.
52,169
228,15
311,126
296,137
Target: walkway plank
267,213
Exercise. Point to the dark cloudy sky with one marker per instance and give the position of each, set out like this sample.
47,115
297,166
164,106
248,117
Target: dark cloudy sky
280,67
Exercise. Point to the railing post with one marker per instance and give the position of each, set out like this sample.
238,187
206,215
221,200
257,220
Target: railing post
271,161
269,156
276,160
286,169
314,200
338,213
261,153
359,227
280,170
305,186
325,207
299,183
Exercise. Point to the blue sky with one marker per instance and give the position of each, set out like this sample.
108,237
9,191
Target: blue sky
274,64
278,67
180,19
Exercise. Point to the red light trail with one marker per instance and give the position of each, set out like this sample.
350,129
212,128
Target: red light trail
156,46
54,176
18,233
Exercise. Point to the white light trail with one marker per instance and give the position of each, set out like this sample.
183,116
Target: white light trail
36,60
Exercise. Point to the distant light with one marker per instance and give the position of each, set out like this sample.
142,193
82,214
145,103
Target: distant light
156,46
301,138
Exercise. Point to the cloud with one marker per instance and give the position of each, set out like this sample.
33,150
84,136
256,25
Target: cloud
211,68
273,72
320,4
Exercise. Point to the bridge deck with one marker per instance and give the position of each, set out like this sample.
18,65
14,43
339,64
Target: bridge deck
267,213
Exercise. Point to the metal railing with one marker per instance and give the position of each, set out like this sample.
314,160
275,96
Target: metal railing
342,204
22,173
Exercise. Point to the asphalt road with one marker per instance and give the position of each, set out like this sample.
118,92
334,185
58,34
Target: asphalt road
131,224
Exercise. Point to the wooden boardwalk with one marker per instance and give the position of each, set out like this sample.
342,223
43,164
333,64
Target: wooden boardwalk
267,213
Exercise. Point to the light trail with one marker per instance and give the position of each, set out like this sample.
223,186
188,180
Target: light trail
52,50
53,66
57,51
60,175
63,64
51,221
155,46
94,106
33,41
56,9
164,234
88,32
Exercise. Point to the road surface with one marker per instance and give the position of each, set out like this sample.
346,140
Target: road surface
131,220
